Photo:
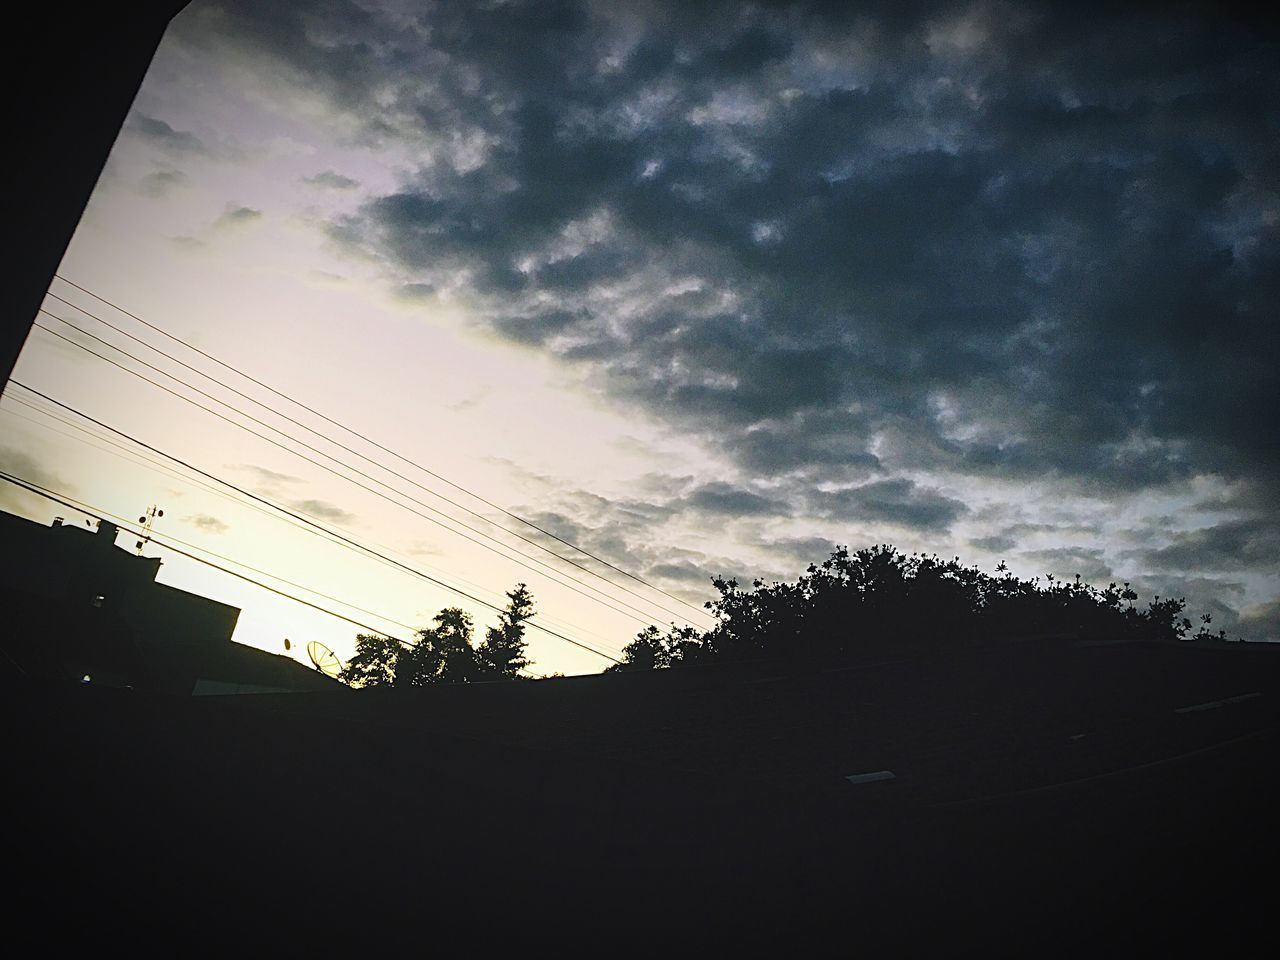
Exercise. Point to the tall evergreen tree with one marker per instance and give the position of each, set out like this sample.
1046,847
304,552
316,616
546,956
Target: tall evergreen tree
501,654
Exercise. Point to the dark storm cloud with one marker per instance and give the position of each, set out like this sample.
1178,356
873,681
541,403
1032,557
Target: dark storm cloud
161,134
897,501
1261,622
726,499
981,240
1066,563
994,544
626,532
691,575
1035,238
1234,545
801,551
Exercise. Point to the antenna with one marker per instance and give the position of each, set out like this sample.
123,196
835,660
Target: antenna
325,660
148,520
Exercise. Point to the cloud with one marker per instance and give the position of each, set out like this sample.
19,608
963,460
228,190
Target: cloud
1066,563
1233,545
877,258
1261,622
161,182
411,292
725,499
235,217
689,574
628,532
274,484
801,551
929,234
898,501
323,510
24,466
160,133
994,544
331,180
1222,597
267,476
207,523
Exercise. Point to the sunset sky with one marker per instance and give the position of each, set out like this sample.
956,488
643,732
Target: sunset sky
705,289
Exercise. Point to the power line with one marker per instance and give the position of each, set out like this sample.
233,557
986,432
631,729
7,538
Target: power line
638,614
642,618
125,524
128,528
82,508
140,459
366,439
305,520
344,447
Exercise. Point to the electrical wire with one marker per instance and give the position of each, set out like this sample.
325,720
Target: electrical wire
67,502
125,524
369,440
138,459
284,510
637,615
70,504
329,439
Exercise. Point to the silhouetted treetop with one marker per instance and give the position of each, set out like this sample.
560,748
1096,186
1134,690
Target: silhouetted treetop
446,652
879,593
501,653
374,662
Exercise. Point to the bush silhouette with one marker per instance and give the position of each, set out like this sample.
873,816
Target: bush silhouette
879,593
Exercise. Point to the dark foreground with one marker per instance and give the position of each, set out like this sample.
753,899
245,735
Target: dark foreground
1047,798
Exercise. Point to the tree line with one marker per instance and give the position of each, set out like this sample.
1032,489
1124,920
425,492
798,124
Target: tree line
879,592
446,652
829,611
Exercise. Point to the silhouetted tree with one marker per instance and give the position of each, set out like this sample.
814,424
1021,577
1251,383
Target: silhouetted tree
652,649
880,593
374,663
442,654
501,653
645,652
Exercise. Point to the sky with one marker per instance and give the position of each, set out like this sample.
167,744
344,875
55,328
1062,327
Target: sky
706,289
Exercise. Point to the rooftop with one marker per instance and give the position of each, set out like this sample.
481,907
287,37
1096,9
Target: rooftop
1045,795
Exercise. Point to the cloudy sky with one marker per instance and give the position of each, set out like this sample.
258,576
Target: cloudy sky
706,289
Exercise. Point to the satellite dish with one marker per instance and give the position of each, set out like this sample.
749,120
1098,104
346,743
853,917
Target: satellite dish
326,660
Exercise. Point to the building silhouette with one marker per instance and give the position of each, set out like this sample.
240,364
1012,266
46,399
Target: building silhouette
80,608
